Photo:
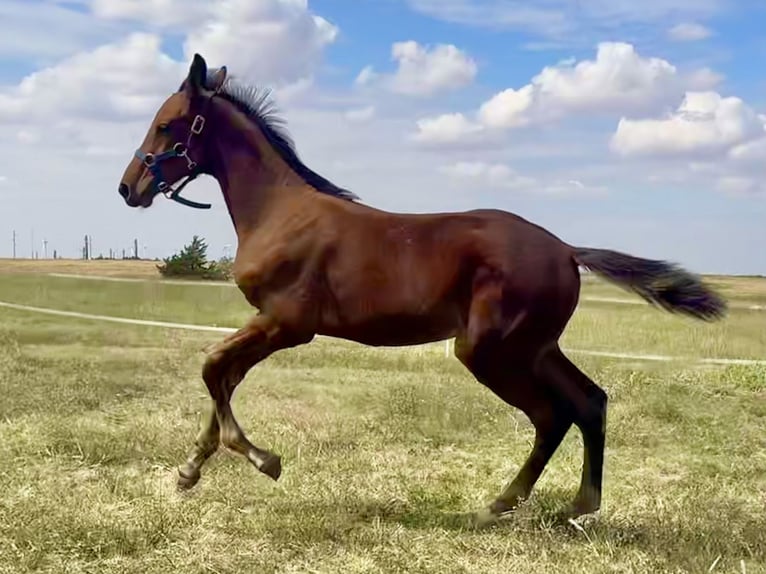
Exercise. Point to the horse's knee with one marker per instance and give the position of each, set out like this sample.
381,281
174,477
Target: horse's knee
593,416
479,352
212,370
600,400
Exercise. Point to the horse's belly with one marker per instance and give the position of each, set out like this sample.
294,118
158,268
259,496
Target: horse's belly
397,330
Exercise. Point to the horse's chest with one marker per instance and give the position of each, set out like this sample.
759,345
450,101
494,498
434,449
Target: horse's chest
276,275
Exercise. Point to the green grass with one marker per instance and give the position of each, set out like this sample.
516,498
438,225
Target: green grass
383,449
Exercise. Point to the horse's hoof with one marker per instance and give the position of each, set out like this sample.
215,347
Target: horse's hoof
187,478
582,518
272,466
484,518
581,515
491,515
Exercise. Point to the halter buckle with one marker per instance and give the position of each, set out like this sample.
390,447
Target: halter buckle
198,125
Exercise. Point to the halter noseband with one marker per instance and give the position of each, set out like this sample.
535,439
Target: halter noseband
152,163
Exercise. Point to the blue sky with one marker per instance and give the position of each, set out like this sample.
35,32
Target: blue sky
634,126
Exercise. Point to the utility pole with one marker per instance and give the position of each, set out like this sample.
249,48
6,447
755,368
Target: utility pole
14,244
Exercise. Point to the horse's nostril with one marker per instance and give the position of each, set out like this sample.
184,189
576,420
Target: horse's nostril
124,190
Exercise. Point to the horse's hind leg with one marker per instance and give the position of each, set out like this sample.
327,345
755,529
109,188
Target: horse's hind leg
502,360
225,367
589,402
551,420
518,386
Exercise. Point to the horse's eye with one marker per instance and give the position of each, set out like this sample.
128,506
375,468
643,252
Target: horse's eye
162,128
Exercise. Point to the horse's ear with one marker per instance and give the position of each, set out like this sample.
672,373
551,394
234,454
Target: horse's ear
217,79
195,81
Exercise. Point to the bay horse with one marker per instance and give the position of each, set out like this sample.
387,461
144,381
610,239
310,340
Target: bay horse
312,259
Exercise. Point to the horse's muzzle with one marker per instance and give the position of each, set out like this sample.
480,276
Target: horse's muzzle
126,192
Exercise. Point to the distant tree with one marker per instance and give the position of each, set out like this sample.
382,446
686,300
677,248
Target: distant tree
192,261
221,269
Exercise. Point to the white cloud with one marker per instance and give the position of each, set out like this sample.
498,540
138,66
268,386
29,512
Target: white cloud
492,174
508,109
446,129
366,76
741,185
126,79
28,136
564,20
157,12
702,79
46,29
424,70
273,42
619,78
548,20
502,176
704,123
752,152
714,142
292,91
618,81
361,114
689,32
267,41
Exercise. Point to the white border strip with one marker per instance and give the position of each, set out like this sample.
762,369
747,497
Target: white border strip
593,299
110,319
189,327
141,280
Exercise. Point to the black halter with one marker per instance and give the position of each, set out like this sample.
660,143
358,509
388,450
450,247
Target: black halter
152,163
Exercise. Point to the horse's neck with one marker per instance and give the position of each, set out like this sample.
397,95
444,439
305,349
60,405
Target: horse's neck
253,177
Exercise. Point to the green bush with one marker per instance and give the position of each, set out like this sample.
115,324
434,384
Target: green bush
192,261
220,269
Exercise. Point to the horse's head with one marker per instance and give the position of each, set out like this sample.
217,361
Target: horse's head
175,145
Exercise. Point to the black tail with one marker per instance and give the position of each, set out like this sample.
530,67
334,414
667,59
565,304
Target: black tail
659,282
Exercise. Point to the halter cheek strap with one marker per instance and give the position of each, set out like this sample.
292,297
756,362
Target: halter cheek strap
153,162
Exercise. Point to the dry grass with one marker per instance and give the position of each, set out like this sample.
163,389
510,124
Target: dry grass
106,268
384,450
750,288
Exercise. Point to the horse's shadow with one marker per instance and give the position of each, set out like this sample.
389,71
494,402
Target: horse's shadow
545,511
543,515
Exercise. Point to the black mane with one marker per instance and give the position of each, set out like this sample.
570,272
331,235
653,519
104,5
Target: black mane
257,104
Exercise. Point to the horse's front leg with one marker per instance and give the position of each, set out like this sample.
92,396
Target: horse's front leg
226,366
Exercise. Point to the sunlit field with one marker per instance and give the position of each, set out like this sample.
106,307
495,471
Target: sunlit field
385,451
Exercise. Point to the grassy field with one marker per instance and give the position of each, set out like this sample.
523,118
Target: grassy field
384,449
